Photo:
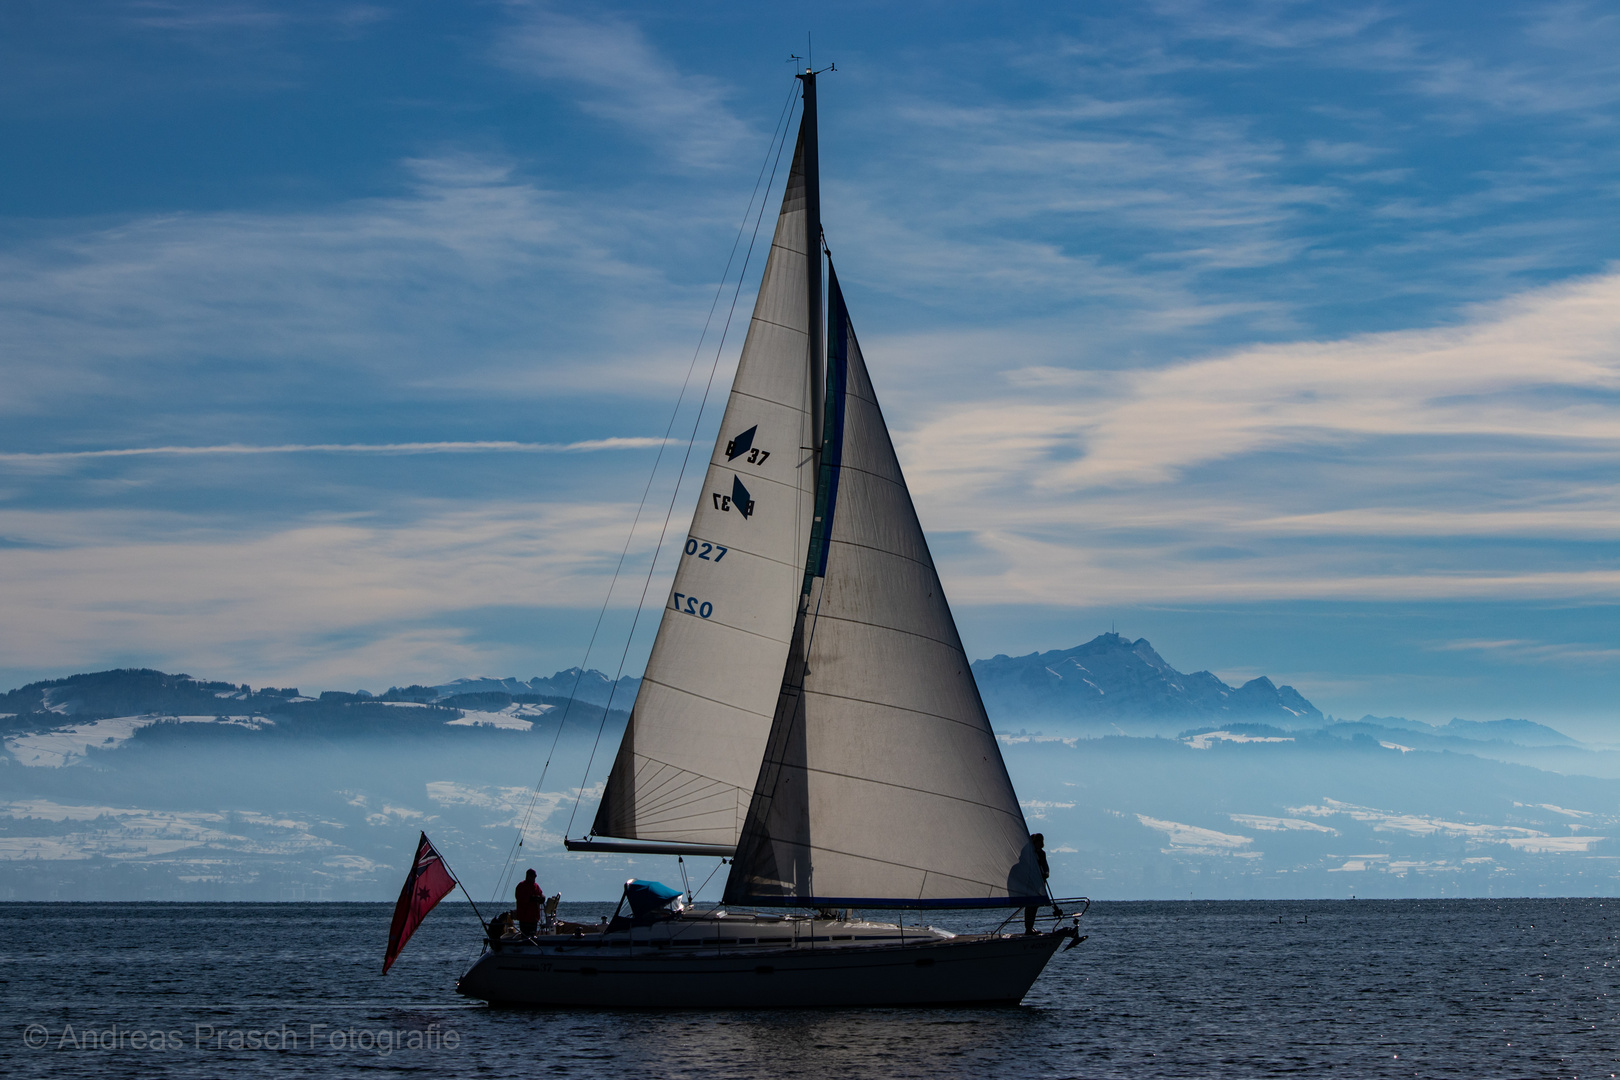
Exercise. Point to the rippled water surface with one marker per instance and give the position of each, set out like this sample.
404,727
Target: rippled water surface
1482,988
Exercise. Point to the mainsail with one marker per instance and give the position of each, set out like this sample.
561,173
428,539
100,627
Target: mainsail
882,784
690,756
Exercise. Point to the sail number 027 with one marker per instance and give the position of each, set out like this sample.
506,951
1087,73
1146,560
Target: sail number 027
708,552
693,606
704,550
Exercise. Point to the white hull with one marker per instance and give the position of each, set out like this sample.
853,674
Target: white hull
611,971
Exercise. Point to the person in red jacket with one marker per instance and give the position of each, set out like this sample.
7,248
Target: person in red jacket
529,902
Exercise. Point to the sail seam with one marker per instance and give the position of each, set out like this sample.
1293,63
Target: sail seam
928,563
908,787
704,697
752,476
768,401
886,479
954,646
886,862
722,624
901,708
715,622
779,326
775,244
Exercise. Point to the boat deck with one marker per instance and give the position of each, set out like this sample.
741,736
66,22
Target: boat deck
723,931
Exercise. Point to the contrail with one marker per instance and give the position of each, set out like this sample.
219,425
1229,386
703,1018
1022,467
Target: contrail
345,448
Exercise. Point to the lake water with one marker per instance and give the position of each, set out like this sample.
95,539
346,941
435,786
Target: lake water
1425,988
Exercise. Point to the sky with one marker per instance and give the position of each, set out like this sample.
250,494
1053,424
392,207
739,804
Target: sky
338,341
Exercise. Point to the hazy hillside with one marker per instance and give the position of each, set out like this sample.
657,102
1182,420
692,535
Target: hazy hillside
589,686
140,784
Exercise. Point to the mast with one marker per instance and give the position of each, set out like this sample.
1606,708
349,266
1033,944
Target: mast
812,199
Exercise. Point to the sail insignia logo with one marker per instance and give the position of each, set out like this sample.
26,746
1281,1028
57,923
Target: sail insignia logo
738,500
741,444
744,444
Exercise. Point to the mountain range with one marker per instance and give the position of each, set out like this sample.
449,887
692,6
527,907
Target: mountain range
582,685
1108,686
84,718
1115,685
1147,781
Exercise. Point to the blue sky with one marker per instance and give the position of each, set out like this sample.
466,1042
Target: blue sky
1284,335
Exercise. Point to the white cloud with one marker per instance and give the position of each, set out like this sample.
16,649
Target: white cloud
1427,825
133,833
1522,370
1558,845
509,807
1264,472
1197,840
1037,808
1529,651
321,601
233,449
622,78
1017,207
1209,738
1540,60
209,19
1269,25
1277,824
234,311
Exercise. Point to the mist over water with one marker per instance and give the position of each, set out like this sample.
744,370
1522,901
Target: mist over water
1401,988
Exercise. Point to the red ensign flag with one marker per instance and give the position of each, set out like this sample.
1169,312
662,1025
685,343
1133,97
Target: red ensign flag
426,884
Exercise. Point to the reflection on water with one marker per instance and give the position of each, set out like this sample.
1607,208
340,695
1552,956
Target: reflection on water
1365,989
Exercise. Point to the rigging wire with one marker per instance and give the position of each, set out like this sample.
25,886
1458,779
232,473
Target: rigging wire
706,880
783,123
674,495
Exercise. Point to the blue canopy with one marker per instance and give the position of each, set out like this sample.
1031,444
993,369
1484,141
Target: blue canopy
648,896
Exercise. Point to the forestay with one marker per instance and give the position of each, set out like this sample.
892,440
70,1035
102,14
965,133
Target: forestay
690,756
882,783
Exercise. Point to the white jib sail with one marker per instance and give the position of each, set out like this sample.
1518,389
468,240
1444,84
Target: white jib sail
882,780
686,769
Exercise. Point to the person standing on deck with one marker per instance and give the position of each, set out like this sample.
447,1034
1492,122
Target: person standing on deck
1039,840
530,898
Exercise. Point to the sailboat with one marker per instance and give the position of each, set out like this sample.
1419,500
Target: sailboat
807,713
